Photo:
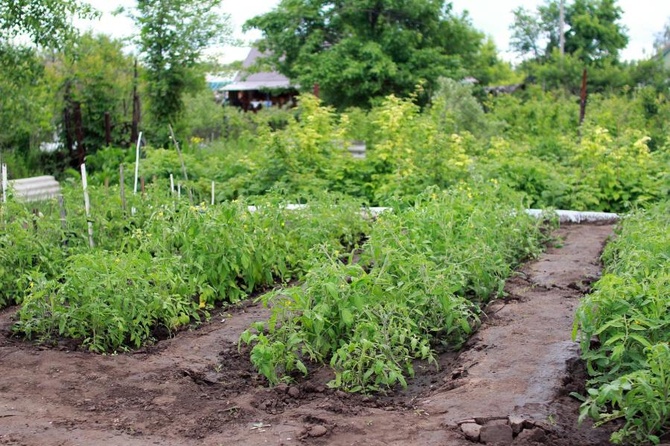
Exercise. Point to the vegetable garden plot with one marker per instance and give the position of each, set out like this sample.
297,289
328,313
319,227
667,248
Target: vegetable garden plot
196,389
163,267
422,276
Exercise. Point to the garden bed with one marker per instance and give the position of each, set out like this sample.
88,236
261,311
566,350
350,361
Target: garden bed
198,388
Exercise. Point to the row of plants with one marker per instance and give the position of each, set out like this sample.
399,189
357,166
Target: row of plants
624,331
616,160
416,285
159,267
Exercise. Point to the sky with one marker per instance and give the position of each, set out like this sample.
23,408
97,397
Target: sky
642,18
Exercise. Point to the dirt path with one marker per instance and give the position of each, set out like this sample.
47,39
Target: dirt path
196,389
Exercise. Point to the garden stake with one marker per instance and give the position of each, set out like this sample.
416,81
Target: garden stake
137,163
181,159
4,183
87,205
63,217
122,187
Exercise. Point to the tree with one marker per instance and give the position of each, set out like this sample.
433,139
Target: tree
593,32
527,33
47,23
360,50
43,24
92,78
173,34
662,40
24,107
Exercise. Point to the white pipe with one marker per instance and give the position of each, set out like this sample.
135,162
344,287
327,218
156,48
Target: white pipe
563,215
576,216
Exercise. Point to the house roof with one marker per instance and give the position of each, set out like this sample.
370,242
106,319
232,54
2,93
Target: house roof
257,81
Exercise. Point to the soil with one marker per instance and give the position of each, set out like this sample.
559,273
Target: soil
510,384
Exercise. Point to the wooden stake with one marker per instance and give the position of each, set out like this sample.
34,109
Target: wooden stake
582,101
137,169
212,193
171,185
122,187
63,218
108,129
137,162
87,205
181,159
4,183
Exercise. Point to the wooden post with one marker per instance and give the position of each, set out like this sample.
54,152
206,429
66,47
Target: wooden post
63,217
108,129
106,185
137,162
4,183
87,205
134,130
171,185
582,102
212,193
137,169
561,28
79,132
178,190
181,159
36,214
122,186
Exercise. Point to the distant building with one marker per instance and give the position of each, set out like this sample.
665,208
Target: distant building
252,91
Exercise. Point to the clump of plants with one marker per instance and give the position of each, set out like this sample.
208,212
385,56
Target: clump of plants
109,301
418,284
628,315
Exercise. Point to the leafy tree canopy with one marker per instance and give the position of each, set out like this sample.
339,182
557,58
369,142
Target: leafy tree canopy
593,32
359,50
173,35
94,72
46,23
662,40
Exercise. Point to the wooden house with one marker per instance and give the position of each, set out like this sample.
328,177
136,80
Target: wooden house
253,91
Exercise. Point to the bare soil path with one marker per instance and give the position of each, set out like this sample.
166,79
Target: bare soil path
510,384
